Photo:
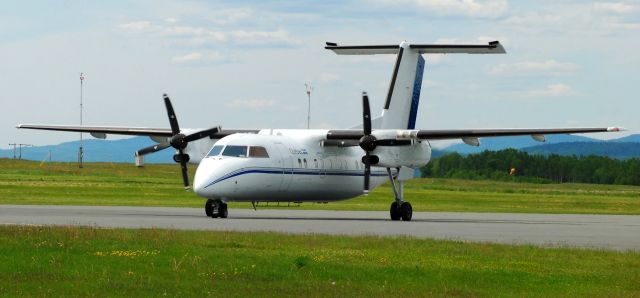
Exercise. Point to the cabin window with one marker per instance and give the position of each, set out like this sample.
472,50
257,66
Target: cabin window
257,151
236,151
356,164
315,161
305,162
215,151
299,163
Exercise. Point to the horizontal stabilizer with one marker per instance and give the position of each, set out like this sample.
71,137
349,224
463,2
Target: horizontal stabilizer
493,47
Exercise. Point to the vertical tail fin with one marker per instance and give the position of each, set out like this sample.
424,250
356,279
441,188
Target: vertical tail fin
403,98
401,107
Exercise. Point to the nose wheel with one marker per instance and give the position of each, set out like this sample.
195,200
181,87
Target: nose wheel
216,208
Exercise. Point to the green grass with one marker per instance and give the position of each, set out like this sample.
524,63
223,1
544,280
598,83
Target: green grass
26,182
72,261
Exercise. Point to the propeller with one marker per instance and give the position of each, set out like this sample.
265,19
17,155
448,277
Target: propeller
369,142
178,141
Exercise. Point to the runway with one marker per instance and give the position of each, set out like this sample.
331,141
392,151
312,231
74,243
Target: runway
617,232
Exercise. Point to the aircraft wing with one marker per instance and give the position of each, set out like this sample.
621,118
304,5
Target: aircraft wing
467,135
102,131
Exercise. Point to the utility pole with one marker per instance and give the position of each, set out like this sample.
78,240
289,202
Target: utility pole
80,153
23,145
14,149
309,89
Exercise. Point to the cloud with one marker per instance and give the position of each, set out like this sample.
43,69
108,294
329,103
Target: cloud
204,36
468,8
626,26
534,67
280,35
477,40
328,77
230,16
616,7
136,26
251,103
587,18
198,58
553,90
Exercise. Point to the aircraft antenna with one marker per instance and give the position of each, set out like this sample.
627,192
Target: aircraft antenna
309,90
80,153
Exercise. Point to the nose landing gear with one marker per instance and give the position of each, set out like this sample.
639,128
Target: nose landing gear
216,208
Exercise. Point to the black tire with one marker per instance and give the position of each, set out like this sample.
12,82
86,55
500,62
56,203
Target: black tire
223,211
394,211
406,212
208,208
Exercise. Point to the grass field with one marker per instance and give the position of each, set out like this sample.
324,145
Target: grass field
28,182
70,261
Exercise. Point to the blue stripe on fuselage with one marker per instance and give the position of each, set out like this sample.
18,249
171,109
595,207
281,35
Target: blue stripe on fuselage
415,98
294,171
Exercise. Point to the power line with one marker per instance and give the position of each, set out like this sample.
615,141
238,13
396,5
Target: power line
19,146
14,149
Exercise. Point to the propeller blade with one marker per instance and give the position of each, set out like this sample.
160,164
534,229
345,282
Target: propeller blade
152,149
201,134
173,121
367,176
366,114
185,174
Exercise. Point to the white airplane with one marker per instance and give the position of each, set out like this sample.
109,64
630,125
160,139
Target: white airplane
319,165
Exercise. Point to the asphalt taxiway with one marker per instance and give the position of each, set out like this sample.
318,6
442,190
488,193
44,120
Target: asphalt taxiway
618,232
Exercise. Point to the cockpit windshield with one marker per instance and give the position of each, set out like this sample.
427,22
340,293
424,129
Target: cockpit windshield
236,151
257,151
239,151
215,151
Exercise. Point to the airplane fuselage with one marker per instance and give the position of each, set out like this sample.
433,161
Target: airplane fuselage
291,166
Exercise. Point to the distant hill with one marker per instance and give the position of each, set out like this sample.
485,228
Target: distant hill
619,150
122,150
519,142
629,139
95,150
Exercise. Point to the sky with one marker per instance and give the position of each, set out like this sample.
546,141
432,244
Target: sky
243,64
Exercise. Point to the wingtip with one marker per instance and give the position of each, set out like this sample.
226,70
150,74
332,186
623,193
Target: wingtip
616,129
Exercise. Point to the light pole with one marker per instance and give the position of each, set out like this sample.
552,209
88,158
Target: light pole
309,89
80,153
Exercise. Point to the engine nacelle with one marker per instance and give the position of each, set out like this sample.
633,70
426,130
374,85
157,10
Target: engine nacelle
413,156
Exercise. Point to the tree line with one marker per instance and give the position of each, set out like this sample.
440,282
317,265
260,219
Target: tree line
511,164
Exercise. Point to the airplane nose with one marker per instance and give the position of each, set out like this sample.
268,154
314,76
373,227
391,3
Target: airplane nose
201,178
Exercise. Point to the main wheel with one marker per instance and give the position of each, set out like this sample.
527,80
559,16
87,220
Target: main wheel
223,212
208,208
406,212
394,211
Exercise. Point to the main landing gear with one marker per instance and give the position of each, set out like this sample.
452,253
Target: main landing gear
216,208
399,209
